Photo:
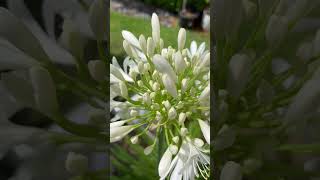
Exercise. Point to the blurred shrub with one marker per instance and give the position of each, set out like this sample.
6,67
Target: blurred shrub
175,5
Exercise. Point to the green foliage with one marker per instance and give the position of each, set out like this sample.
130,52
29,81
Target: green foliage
137,26
131,162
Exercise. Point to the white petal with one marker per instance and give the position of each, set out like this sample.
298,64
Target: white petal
205,128
118,133
164,164
163,66
128,36
193,48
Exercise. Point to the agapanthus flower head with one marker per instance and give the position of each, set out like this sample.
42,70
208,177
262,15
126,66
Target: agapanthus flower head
166,91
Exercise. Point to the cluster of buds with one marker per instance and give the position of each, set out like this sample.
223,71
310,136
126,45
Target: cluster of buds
167,93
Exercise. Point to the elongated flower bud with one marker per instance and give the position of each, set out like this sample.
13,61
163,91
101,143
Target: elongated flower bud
146,98
184,84
205,94
134,113
148,150
134,139
182,118
127,48
150,47
172,113
155,28
163,66
131,39
123,89
181,38
173,149
166,104
175,139
143,43
161,43
179,62
169,85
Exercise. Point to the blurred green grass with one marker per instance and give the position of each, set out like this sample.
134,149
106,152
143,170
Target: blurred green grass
137,26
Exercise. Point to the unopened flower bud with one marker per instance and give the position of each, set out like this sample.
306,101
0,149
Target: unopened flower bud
155,28
166,104
147,67
169,85
150,47
146,98
173,149
140,83
183,131
182,117
198,142
156,86
143,43
148,150
152,95
134,139
181,38
172,113
175,139
133,74
134,113
184,84
140,67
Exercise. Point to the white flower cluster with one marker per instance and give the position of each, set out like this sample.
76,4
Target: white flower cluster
167,92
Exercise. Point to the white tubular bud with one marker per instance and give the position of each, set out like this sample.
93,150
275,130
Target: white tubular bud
155,75
155,28
173,149
198,142
183,131
182,117
148,150
166,104
179,62
146,98
175,139
123,89
143,43
133,74
134,113
184,85
169,85
134,139
156,86
158,116
150,47
152,95
161,43
140,67
140,83
172,113
181,38
147,67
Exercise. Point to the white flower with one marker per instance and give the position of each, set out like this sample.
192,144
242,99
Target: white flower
190,162
205,128
179,62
